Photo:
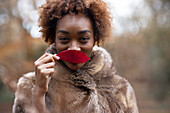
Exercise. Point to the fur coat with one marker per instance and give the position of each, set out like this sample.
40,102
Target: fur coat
95,88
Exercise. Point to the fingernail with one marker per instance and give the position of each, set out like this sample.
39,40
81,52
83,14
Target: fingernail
58,57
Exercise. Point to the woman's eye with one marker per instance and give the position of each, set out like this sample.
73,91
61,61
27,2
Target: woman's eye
84,39
64,39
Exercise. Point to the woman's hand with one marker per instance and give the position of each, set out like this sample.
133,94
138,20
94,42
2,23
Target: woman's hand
44,69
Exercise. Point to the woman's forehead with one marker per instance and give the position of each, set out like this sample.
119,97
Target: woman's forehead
68,20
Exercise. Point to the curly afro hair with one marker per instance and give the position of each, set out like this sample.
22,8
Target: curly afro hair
53,10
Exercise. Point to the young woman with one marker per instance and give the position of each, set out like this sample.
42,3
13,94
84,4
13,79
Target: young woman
59,86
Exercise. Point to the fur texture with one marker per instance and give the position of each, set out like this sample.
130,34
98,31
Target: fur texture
95,88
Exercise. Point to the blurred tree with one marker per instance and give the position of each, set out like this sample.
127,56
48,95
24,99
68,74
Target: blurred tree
17,46
157,35
143,56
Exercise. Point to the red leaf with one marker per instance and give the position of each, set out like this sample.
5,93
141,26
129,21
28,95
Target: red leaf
73,56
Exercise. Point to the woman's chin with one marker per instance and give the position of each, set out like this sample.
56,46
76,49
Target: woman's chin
73,66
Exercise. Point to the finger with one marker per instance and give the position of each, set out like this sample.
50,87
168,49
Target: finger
46,65
36,63
47,59
51,56
47,72
56,57
43,56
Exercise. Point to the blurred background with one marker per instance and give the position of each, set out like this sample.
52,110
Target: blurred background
139,47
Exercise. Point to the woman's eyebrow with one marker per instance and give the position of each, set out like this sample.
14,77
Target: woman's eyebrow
62,31
84,31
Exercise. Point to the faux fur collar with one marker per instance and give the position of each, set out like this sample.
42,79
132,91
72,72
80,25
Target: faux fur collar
97,68
100,59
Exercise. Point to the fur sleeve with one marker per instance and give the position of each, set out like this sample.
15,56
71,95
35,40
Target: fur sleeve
124,95
131,100
23,94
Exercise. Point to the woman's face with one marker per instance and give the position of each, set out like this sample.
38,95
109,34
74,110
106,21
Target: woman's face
74,32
